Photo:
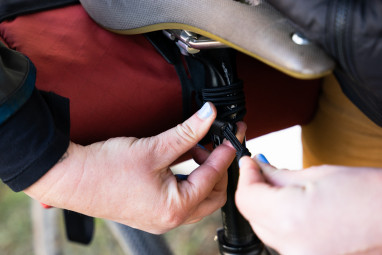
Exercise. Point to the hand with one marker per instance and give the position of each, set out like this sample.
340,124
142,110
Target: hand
320,210
128,180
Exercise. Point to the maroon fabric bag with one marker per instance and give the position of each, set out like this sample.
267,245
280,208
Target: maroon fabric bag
120,86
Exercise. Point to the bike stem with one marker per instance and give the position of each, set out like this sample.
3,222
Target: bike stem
236,236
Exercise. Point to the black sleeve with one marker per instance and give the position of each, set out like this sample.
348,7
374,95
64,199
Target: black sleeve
34,134
12,8
350,31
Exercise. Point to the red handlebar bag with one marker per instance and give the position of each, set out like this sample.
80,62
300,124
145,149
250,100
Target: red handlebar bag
120,86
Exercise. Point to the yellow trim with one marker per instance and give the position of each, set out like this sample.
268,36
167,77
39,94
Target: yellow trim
162,26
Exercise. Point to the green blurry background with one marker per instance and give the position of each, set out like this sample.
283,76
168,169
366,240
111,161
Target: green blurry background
16,232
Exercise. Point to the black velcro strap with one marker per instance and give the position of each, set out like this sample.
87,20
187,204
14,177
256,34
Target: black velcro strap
190,71
12,8
79,227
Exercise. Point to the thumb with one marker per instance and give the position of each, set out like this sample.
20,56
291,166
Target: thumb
171,144
258,170
250,172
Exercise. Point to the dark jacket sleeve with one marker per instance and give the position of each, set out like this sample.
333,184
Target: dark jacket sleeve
34,125
350,31
12,8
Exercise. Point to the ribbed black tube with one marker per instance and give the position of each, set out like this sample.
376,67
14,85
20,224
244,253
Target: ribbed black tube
237,230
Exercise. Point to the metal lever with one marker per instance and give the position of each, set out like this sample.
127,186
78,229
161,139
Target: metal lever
192,43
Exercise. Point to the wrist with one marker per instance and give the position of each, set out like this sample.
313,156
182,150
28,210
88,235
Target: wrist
58,185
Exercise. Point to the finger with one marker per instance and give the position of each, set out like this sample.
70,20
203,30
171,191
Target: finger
207,207
252,198
250,172
262,203
192,221
241,129
285,177
250,187
214,201
200,154
169,145
221,186
203,179
268,206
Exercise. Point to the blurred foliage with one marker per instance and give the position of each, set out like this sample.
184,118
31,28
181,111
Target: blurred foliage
15,228
196,239
16,232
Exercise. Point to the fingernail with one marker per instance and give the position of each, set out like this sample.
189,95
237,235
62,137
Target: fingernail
201,146
262,158
240,162
181,177
205,111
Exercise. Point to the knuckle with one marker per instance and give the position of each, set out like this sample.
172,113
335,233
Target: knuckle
184,135
157,146
151,148
222,200
171,219
186,132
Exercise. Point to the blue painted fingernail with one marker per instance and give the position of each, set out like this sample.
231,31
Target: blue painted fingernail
181,177
262,158
240,162
205,111
201,146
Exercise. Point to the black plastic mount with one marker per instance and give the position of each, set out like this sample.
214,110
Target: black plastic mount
225,248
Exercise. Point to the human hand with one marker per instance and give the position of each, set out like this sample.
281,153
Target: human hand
320,210
128,180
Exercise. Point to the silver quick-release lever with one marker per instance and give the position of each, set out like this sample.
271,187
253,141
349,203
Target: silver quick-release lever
191,43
